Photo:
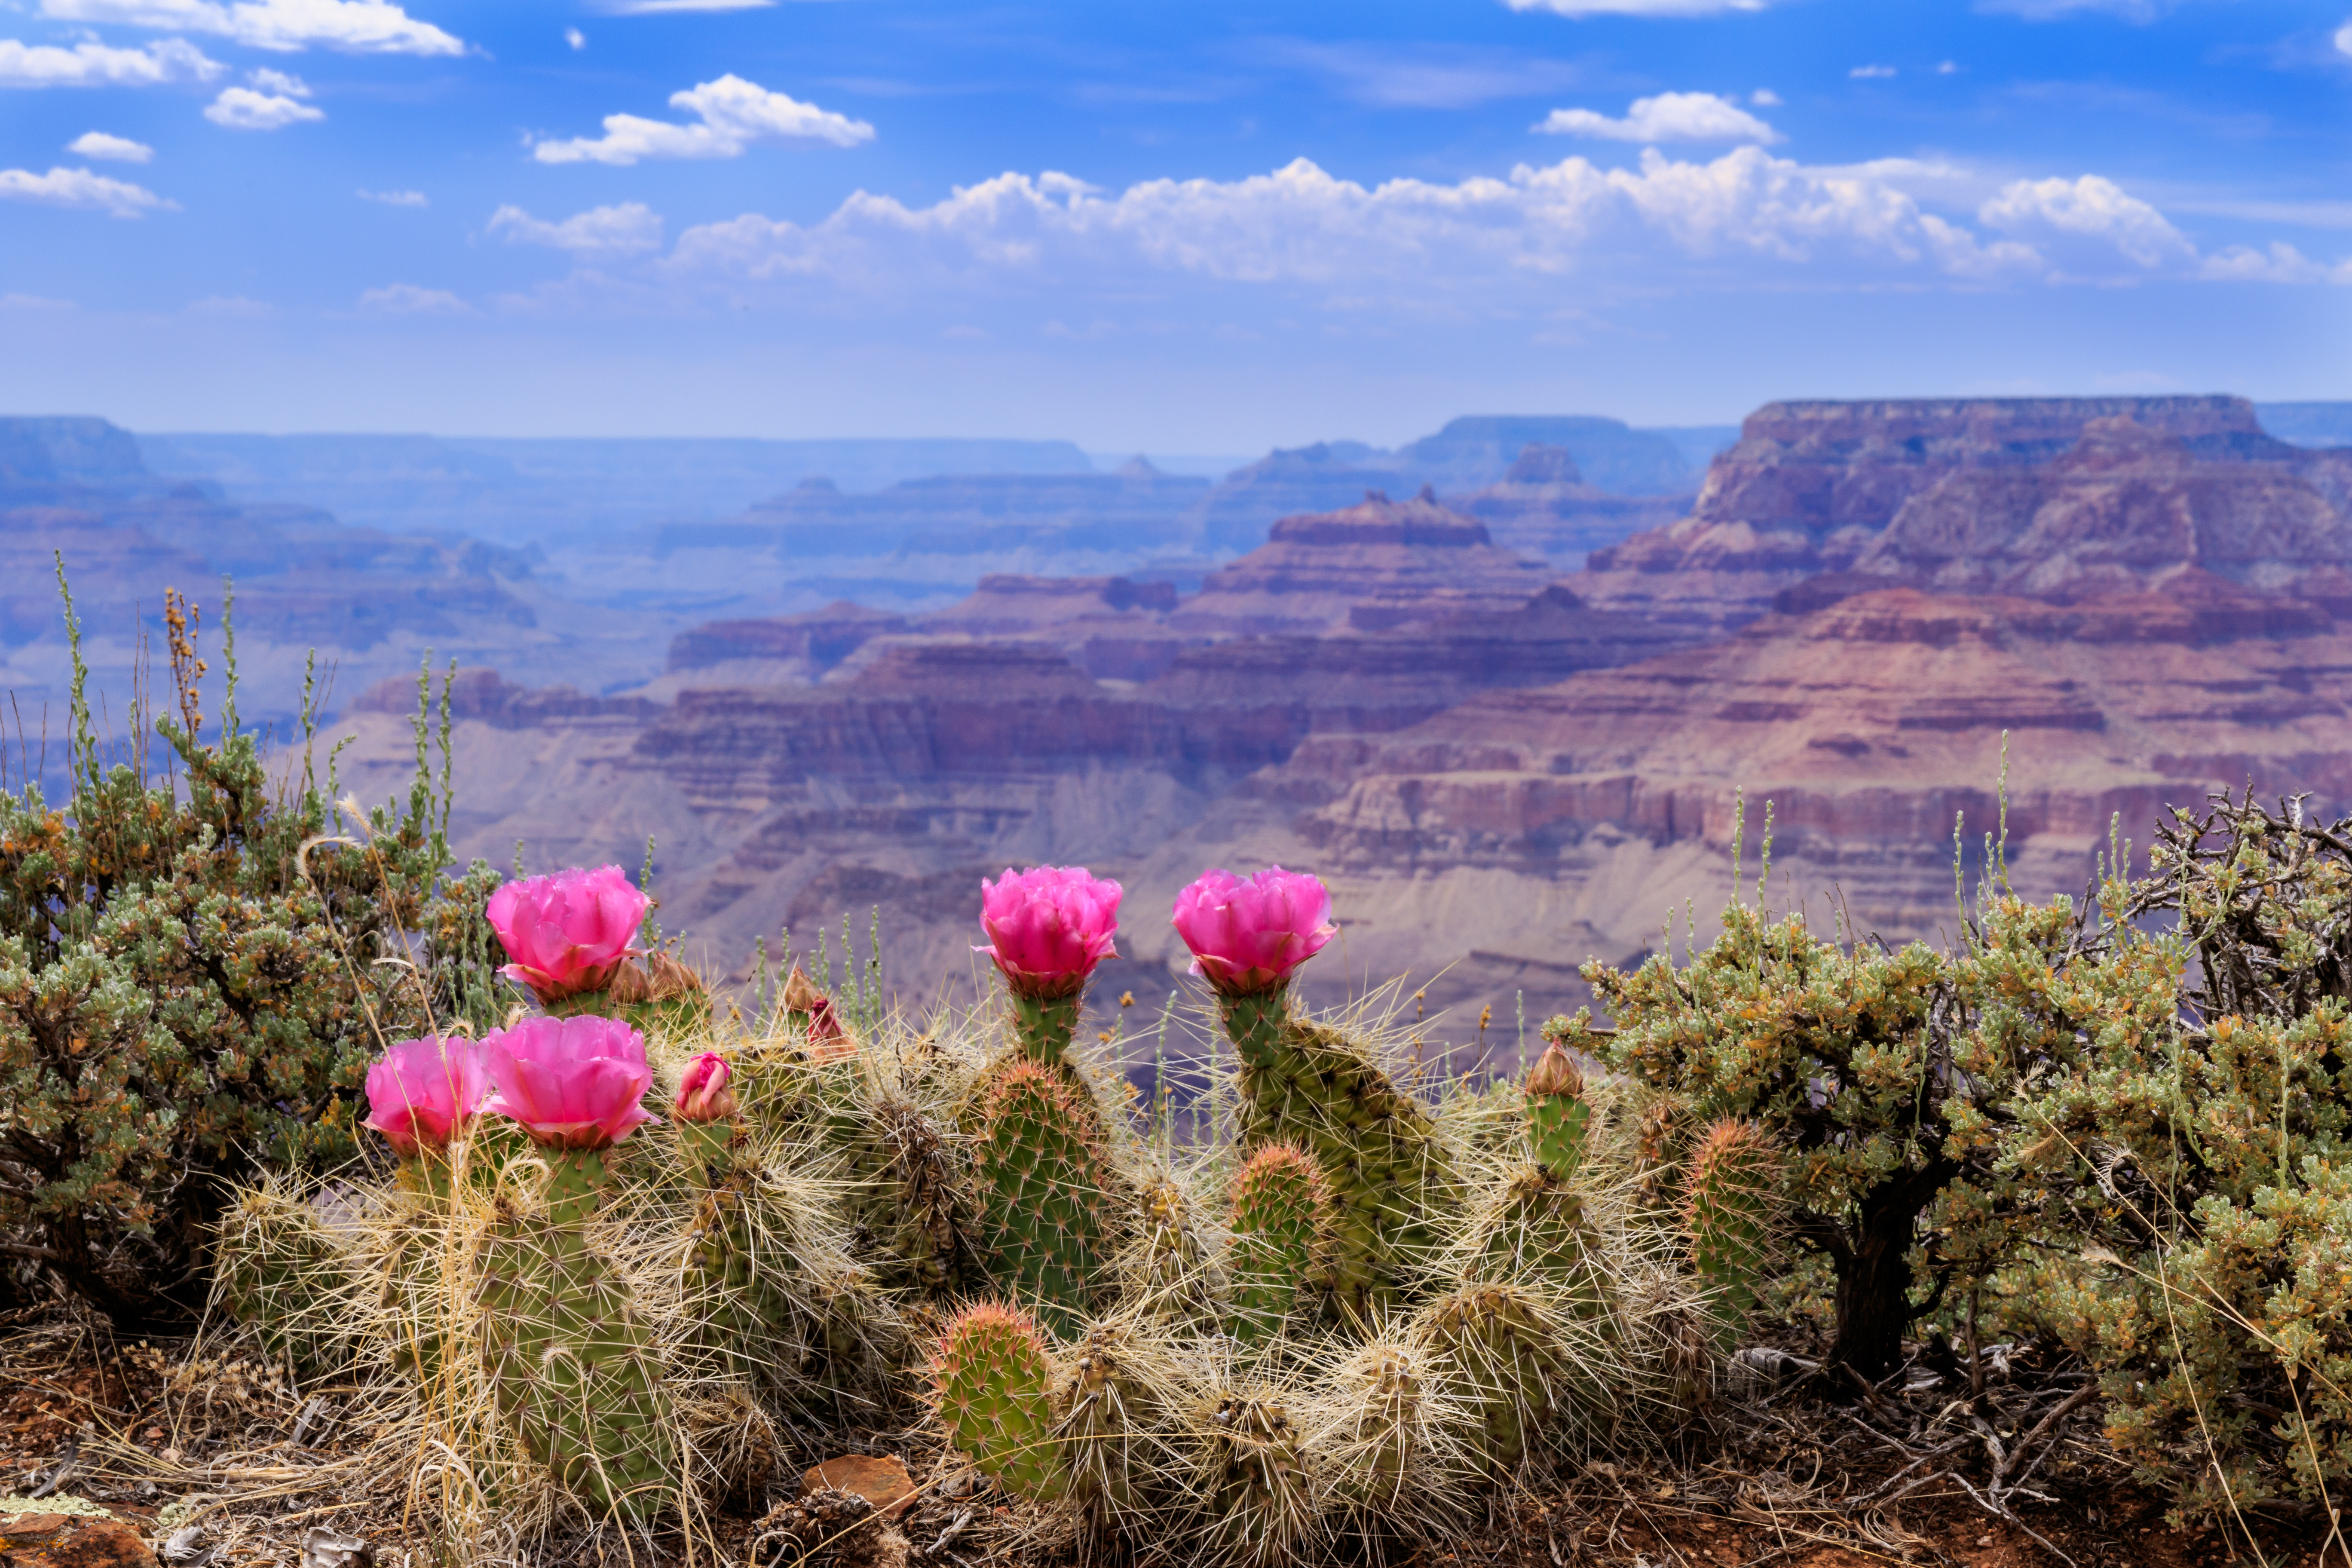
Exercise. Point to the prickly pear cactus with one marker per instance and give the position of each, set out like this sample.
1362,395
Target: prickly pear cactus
992,1382
1039,1164
1101,1425
1558,1114
1535,1229
1305,1084
1729,1210
1281,1215
1260,1507
1507,1370
900,1195
1044,1026
1165,1266
739,1309
287,1278
568,1359
1384,1445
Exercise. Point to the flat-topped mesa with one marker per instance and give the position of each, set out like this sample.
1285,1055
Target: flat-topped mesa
1115,628
1543,506
815,639
1412,559
1817,487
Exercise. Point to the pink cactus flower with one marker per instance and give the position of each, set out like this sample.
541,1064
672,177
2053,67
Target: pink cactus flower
424,1091
1049,927
570,932
571,1083
702,1092
1248,936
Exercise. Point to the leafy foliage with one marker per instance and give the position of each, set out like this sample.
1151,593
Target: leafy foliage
194,973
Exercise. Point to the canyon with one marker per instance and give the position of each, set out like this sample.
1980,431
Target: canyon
1503,767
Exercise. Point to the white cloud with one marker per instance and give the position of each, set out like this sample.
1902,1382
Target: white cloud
79,188
1668,116
2280,264
396,198
279,82
2344,38
96,64
599,231
2055,10
575,37
33,302
733,113
1948,67
242,109
2089,209
355,26
665,7
115,149
1637,7
231,307
1765,98
1871,73
408,299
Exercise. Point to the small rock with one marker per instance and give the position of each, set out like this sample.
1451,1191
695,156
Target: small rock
74,1542
325,1548
884,1483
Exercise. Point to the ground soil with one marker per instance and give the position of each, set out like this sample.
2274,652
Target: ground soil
169,1433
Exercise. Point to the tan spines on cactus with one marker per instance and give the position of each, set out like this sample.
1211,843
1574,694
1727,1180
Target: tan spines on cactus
1106,1414
1730,1203
1387,1438
289,1280
1535,1229
1282,1225
1313,1086
1041,1171
1507,1369
991,1388
1254,1483
1166,1264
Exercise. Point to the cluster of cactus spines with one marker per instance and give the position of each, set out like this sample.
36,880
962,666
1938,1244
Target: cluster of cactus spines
1309,1085
1281,1219
1535,1228
567,1355
1261,1508
901,1193
742,1306
1728,1208
1102,1432
1390,1444
1039,1162
991,1380
1165,1266
283,1275
1505,1366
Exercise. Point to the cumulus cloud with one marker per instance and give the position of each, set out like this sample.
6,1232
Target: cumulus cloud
354,26
283,83
408,299
731,114
242,109
2090,209
575,37
1668,116
96,64
599,231
2344,38
2280,263
396,198
115,149
1637,7
80,188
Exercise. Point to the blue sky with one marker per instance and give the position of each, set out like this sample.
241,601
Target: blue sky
1204,228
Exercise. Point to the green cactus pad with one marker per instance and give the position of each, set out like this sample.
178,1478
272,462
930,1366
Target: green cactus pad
1281,1217
991,1380
287,1278
1038,1163
1534,1229
1101,1425
1506,1368
1731,1202
1259,1503
1558,1114
1308,1085
1044,1026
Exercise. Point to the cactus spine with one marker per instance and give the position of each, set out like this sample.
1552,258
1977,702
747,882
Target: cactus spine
992,1380
281,1274
740,1307
1535,1227
1038,1161
1281,1216
1098,1425
1305,1084
1728,1212
1558,1114
1259,1500
568,1359
1506,1368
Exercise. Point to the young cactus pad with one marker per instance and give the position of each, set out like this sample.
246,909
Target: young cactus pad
1557,1115
1507,1369
1305,1084
1728,1208
1038,1161
991,1380
1281,1214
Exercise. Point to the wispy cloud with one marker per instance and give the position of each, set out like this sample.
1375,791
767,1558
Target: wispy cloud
353,26
1871,73
396,198
80,188
1637,7
600,231
113,149
1668,116
409,300
96,65
731,114
1422,75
